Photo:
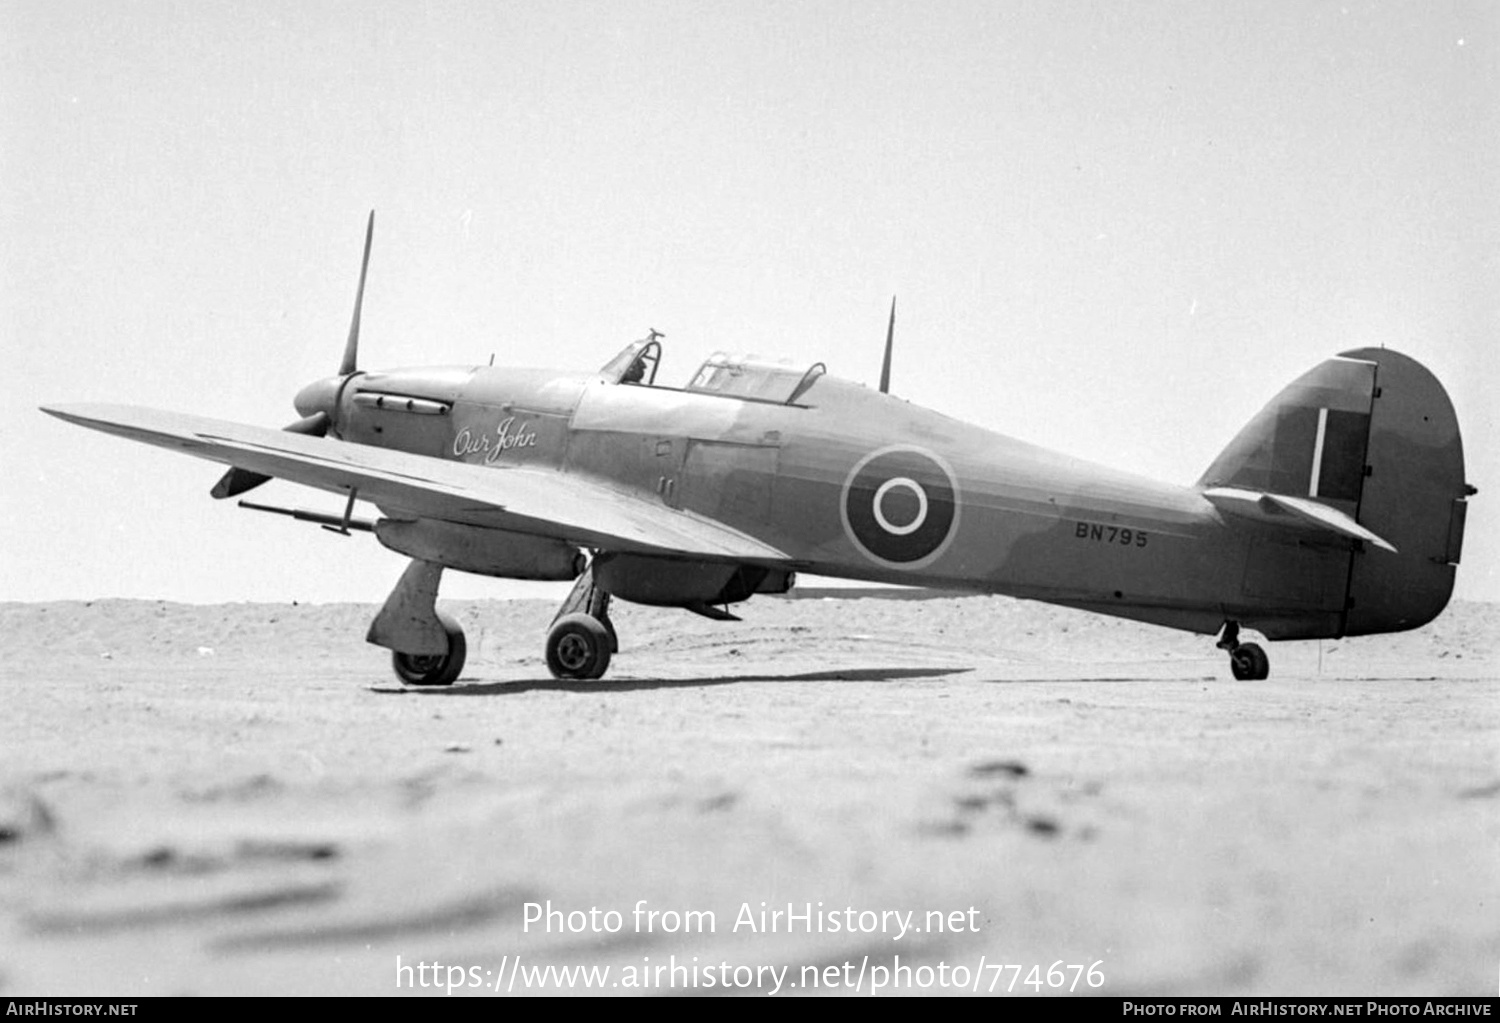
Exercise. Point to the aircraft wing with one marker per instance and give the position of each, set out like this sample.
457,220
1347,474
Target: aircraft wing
542,502
1300,513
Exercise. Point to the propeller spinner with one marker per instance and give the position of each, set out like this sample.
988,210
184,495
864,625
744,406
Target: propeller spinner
317,403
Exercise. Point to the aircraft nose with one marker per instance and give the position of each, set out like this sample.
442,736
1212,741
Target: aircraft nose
318,396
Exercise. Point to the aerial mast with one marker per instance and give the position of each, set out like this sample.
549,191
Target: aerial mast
885,367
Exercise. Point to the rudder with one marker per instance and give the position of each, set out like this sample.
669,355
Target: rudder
1414,495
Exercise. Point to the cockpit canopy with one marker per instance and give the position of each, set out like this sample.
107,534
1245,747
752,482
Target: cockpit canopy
744,376
729,375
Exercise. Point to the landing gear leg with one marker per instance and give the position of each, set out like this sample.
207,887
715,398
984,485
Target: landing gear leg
582,638
1247,661
427,648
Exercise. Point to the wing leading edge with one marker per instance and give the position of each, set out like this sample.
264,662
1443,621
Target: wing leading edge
526,500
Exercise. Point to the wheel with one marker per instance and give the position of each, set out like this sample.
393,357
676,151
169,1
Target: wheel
1249,662
578,647
614,640
433,669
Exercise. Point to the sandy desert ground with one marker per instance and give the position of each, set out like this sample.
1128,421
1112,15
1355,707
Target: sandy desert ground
240,799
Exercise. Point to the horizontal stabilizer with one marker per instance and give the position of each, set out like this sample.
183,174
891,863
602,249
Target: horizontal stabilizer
1292,512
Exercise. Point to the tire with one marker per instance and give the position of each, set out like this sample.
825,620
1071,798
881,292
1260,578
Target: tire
434,669
578,647
1249,663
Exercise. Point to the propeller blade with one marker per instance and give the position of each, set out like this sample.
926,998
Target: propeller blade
315,425
351,348
885,367
237,481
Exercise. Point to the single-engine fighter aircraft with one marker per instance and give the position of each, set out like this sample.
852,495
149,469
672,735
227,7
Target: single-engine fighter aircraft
1337,511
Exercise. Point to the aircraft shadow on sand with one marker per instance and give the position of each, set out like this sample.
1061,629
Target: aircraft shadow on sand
627,685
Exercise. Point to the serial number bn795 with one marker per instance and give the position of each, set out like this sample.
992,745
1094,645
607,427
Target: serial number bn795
1111,534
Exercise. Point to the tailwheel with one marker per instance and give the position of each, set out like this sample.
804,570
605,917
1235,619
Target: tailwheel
579,647
1249,662
434,669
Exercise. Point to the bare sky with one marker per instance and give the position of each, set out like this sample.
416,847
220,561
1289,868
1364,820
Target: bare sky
1115,229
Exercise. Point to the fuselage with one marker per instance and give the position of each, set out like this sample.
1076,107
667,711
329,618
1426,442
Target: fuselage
856,484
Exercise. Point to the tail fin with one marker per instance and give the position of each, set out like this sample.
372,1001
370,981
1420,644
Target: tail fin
1309,441
1372,435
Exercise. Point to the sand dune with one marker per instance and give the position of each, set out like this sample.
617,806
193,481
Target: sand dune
239,798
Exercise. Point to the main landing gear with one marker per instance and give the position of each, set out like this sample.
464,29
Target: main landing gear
434,669
582,638
1247,661
428,648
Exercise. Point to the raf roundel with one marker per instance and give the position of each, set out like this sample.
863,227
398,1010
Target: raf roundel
900,506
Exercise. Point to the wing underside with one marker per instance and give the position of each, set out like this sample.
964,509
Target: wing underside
540,502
